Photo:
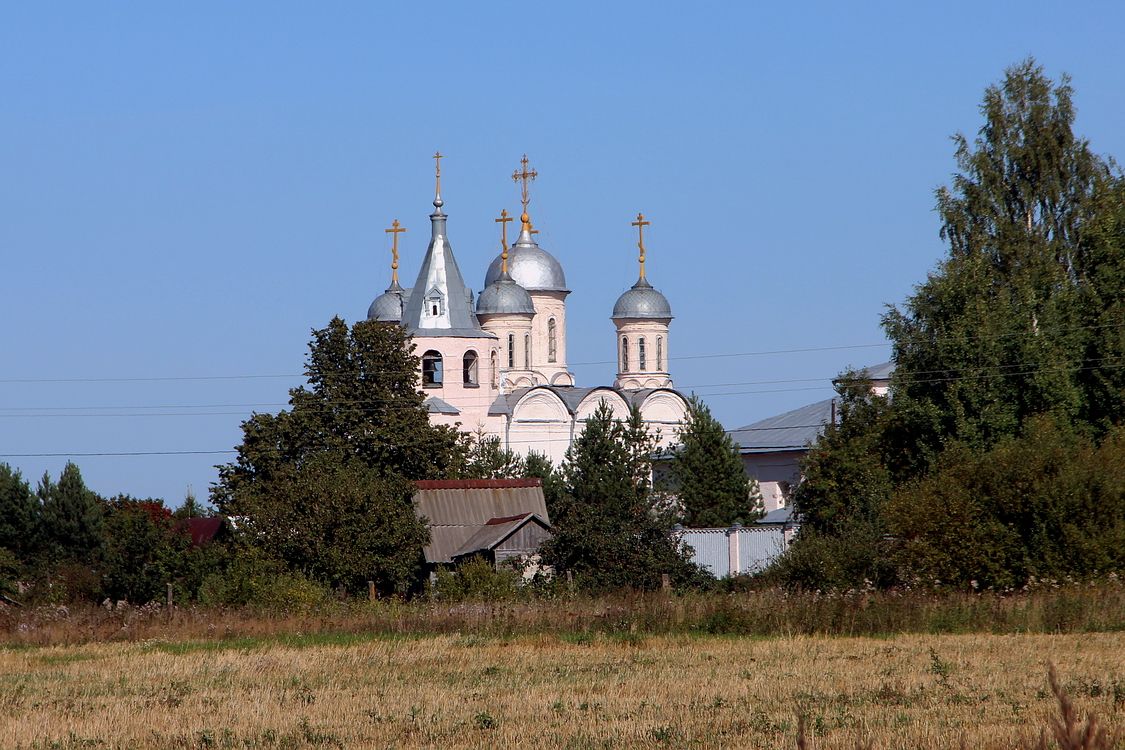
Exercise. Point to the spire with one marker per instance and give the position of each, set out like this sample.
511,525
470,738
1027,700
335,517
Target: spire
640,224
438,202
525,175
503,222
394,231
440,303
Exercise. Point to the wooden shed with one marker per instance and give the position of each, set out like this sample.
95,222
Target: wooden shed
498,518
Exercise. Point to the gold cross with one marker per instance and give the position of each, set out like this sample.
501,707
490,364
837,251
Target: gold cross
503,222
640,224
525,175
394,231
437,168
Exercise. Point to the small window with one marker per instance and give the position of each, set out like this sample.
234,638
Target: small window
470,363
527,350
641,354
659,354
511,351
435,303
624,354
431,368
552,341
495,361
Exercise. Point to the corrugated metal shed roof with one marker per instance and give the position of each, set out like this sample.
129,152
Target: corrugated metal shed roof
793,430
457,509
495,532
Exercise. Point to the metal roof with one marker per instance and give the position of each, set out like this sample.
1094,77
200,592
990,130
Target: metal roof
642,301
573,395
457,510
781,516
439,276
793,430
496,531
881,371
435,405
530,266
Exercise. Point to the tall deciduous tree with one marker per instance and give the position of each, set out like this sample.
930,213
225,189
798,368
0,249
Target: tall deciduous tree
609,531
997,333
326,483
707,473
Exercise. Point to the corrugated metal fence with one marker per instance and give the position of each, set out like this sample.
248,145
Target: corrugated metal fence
737,550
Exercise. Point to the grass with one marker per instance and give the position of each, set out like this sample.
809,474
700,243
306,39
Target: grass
463,690
1074,608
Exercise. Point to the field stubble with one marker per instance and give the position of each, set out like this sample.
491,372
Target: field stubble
546,691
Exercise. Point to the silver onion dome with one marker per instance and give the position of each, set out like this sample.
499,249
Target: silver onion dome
642,301
504,296
387,307
531,267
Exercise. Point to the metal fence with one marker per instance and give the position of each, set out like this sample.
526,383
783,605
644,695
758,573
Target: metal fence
739,550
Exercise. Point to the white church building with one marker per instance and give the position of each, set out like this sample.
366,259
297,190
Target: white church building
496,362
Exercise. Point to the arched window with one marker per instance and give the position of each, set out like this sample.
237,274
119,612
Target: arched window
641,354
527,350
659,354
511,351
431,368
552,341
624,354
470,363
495,369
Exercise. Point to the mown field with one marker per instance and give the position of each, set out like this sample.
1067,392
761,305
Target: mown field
546,691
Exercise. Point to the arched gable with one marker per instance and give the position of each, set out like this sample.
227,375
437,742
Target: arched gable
540,405
663,411
594,398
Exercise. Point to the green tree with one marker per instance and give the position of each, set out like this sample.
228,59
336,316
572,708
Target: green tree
486,459
707,473
72,517
144,549
19,515
997,333
610,531
326,484
538,465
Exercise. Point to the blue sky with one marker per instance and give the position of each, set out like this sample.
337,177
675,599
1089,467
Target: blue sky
188,189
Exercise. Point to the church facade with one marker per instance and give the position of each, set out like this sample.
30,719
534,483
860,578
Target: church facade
496,362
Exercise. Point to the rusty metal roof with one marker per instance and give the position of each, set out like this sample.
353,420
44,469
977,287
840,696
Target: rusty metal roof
457,509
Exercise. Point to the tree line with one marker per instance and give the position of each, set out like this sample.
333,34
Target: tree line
318,499
998,457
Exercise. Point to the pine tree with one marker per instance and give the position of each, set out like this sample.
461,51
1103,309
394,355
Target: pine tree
72,517
20,513
609,531
708,476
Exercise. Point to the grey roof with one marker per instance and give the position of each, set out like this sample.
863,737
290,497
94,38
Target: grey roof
435,405
439,276
456,510
881,371
387,307
780,516
642,301
530,266
495,532
572,396
793,430
505,296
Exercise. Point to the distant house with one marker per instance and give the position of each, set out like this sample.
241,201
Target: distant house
498,519
772,448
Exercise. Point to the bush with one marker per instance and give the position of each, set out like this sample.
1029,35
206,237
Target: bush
477,580
255,581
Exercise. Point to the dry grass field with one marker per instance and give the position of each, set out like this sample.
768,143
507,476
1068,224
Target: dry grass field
543,691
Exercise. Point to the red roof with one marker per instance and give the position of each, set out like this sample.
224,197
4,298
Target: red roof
477,484
203,529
